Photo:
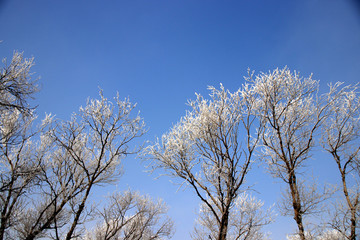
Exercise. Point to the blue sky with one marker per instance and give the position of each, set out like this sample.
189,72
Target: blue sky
160,52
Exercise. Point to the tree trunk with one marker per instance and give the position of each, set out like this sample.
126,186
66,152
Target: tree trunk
224,226
353,224
2,229
296,205
298,219
350,205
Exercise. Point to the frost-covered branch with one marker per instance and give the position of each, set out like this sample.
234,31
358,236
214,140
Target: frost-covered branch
211,149
16,86
129,215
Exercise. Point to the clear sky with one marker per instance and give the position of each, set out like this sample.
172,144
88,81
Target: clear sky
160,52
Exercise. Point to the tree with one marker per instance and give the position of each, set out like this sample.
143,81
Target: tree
18,154
129,215
293,112
84,152
211,150
48,172
340,138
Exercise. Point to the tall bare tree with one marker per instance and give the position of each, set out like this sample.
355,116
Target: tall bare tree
18,164
293,113
211,150
341,138
86,151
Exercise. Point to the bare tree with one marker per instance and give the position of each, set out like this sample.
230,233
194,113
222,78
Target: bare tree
211,150
341,135
18,154
132,216
293,113
246,220
84,152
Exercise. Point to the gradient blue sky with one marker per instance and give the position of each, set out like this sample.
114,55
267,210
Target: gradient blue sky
160,52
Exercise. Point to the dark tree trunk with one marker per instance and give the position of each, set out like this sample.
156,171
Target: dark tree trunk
296,203
224,226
